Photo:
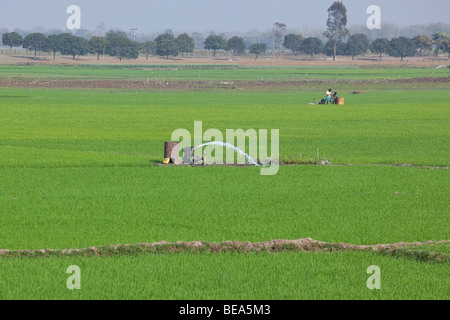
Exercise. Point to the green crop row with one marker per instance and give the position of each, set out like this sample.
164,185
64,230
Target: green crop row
225,276
214,72
65,208
60,128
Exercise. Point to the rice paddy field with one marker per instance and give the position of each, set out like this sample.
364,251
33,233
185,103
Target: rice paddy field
223,72
82,167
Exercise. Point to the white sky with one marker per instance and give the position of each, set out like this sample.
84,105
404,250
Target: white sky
220,15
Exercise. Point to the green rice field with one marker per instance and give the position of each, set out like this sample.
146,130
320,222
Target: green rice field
83,167
223,72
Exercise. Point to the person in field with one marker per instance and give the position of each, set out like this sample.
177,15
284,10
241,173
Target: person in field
328,97
335,98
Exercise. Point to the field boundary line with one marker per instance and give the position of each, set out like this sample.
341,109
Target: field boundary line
399,249
192,83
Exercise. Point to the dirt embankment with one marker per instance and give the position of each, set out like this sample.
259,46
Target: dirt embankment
170,85
298,245
204,57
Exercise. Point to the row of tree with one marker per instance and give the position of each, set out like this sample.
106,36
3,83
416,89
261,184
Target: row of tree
359,44
118,44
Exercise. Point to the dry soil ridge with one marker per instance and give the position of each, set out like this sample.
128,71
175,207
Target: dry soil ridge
190,84
306,244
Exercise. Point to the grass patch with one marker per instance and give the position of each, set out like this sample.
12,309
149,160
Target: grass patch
57,128
214,72
82,207
335,275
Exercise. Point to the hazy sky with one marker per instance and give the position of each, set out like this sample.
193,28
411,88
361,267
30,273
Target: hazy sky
220,15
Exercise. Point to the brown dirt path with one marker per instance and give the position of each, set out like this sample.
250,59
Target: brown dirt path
20,57
186,84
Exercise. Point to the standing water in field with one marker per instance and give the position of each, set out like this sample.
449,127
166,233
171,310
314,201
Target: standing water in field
230,146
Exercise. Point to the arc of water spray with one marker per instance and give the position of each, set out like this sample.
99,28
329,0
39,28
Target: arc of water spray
230,146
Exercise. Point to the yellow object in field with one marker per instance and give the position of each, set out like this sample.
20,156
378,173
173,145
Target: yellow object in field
166,160
340,100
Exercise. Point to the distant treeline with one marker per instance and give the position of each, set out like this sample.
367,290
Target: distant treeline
123,45
388,30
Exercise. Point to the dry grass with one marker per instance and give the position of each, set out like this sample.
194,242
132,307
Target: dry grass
306,244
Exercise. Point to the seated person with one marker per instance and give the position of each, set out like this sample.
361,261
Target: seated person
335,98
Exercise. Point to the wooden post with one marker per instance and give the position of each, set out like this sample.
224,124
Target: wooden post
171,147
